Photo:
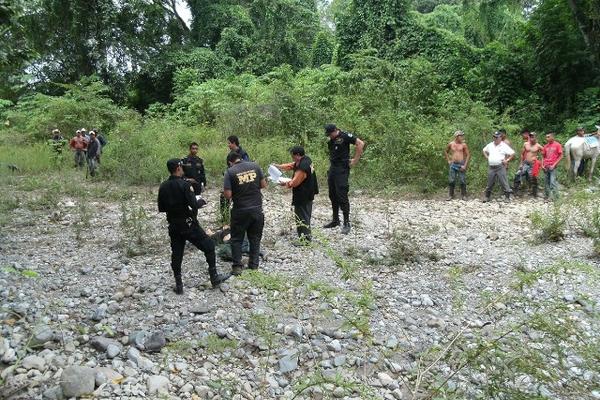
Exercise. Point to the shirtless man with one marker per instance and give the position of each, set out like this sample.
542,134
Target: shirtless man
458,156
529,158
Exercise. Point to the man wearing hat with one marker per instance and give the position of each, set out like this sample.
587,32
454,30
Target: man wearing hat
458,156
176,197
79,146
498,154
339,172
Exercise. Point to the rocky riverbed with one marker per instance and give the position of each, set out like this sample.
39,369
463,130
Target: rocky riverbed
401,308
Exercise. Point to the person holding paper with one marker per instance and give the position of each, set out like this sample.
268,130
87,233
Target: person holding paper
304,187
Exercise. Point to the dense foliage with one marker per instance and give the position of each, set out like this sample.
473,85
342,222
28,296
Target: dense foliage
402,74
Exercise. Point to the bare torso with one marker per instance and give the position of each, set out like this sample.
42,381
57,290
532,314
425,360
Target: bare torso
457,152
531,151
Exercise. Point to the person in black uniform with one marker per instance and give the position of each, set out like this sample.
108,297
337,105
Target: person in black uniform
339,172
177,198
304,187
242,183
193,169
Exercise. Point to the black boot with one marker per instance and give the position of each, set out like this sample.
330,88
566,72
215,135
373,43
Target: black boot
463,192
215,278
487,197
178,285
450,193
332,224
346,228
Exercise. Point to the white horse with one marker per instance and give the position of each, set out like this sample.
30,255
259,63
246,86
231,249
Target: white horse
578,149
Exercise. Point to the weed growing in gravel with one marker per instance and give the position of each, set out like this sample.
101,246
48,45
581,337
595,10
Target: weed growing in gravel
549,226
455,276
134,230
46,201
181,347
215,345
589,222
27,273
83,219
318,380
263,326
526,353
262,280
403,249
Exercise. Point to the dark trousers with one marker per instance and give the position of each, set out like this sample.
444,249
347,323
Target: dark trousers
337,180
250,222
303,213
497,172
193,233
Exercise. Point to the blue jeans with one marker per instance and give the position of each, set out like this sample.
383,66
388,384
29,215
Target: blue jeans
551,185
454,172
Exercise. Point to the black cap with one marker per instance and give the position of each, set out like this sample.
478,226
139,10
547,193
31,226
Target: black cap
330,128
497,134
172,164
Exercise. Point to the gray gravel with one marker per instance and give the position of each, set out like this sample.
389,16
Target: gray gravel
100,320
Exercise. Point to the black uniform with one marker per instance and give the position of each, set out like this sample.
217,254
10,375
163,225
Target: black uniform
193,167
176,197
225,204
339,172
303,196
243,179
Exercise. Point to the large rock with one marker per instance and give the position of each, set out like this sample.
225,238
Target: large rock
77,381
157,384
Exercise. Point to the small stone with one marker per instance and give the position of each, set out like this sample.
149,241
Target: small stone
339,392
42,335
224,287
339,361
385,379
334,345
392,342
436,323
200,309
34,362
77,381
113,350
294,330
157,384
53,393
101,343
288,361
187,388
100,313
426,300
155,342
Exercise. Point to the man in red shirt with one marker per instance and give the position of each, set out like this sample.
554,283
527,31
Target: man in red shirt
552,153
79,145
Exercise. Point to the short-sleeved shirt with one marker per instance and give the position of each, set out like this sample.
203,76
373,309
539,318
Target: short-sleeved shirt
339,149
497,153
193,167
551,153
305,192
243,179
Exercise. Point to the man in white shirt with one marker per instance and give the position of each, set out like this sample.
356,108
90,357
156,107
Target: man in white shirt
498,154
